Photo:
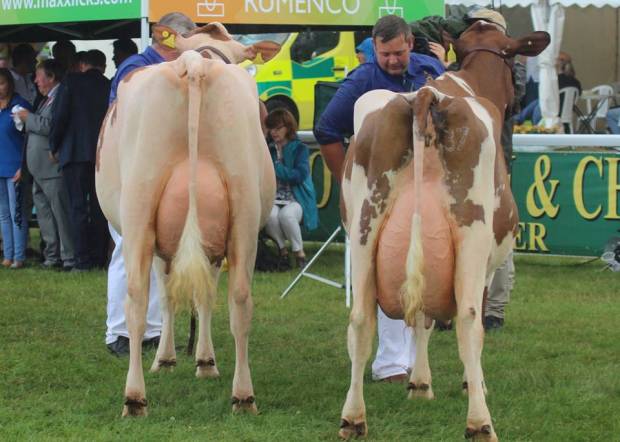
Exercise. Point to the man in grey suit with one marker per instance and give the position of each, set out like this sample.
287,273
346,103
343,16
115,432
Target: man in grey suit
49,192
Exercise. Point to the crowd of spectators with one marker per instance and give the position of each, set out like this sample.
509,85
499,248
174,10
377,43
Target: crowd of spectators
50,115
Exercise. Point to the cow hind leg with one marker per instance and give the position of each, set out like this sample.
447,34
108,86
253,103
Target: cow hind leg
469,287
420,380
138,264
165,357
205,354
241,257
362,326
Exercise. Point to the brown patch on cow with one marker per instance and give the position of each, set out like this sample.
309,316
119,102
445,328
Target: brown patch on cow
506,215
384,144
459,137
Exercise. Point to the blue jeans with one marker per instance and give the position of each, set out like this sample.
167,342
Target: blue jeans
613,120
530,112
14,237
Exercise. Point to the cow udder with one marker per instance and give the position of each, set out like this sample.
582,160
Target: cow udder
438,249
212,204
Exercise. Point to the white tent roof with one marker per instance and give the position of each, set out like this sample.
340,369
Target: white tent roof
511,3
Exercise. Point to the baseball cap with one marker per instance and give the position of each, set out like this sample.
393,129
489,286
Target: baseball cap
487,15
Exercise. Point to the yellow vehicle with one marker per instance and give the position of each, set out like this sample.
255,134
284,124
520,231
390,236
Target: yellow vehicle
287,80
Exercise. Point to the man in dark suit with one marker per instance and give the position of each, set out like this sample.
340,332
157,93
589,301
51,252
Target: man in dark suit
78,113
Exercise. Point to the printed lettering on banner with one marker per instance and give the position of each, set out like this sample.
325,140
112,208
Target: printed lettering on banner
210,8
391,9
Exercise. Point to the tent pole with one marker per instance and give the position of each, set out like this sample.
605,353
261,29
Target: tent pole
144,25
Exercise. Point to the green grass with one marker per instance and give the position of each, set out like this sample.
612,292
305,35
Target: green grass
552,372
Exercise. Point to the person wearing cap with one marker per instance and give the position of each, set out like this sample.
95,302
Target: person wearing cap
365,52
117,336
397,69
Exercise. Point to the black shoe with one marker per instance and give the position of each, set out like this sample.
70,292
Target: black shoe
50,265
150,344
120,347
493,323
301,261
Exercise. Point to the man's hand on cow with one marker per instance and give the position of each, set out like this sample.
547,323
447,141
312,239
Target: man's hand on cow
53,157
250,52
439,51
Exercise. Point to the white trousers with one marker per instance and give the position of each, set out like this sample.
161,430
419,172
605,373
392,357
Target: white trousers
117,291
283,224
396,349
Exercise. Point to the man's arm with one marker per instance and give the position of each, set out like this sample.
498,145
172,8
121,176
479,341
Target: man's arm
337,120
61,110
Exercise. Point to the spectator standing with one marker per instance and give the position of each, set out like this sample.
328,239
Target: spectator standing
398,69
49,192
613,120
117,337
78,111
64,52
24,60
365,52
123,49
13,219
295,196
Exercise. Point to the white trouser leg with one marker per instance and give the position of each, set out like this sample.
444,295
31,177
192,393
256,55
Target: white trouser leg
290,217
117,291
273,227
396,350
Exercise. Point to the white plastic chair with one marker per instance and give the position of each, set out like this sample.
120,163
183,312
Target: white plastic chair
568,96
597,105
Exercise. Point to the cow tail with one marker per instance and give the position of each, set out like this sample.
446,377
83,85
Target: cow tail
413,288
191,274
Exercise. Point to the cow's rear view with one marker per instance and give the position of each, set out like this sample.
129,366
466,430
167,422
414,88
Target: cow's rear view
430,213
184,174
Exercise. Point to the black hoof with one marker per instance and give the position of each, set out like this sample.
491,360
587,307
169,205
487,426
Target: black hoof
421,387
167,363
135,407
203,363
348,429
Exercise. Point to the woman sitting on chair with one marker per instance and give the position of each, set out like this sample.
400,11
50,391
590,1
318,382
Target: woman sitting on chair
295,197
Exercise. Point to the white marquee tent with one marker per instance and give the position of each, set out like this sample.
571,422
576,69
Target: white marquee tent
547,15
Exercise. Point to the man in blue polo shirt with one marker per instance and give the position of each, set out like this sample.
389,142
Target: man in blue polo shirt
397,69
116,334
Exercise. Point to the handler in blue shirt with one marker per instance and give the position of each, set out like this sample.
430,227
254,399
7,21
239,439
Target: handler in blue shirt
397,69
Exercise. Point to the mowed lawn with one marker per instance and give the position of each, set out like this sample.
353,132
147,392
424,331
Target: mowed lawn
553,372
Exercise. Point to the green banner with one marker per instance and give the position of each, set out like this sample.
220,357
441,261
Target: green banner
569,203
298,12
13,12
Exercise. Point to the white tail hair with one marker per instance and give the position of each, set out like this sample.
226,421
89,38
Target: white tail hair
191,274
413,287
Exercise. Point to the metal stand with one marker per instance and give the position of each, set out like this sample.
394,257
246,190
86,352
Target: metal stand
347,269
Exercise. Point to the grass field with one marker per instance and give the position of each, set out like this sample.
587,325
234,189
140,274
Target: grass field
553,372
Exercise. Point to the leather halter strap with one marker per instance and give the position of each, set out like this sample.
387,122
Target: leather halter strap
216,51
501,54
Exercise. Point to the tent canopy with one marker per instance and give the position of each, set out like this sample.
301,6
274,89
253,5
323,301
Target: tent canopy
85,30
525,3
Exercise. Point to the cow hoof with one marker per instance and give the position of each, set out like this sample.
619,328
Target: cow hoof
420,390
166,364
484,433
350,430
206,369
247,405
135,408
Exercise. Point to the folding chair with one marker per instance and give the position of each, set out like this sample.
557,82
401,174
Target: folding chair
568,97
597,104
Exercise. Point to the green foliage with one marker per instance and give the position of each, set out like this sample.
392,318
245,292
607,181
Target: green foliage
552,372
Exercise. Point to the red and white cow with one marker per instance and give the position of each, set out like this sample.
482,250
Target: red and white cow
428,207
185,175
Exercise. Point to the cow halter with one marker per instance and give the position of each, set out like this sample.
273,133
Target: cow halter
501,54
216,51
